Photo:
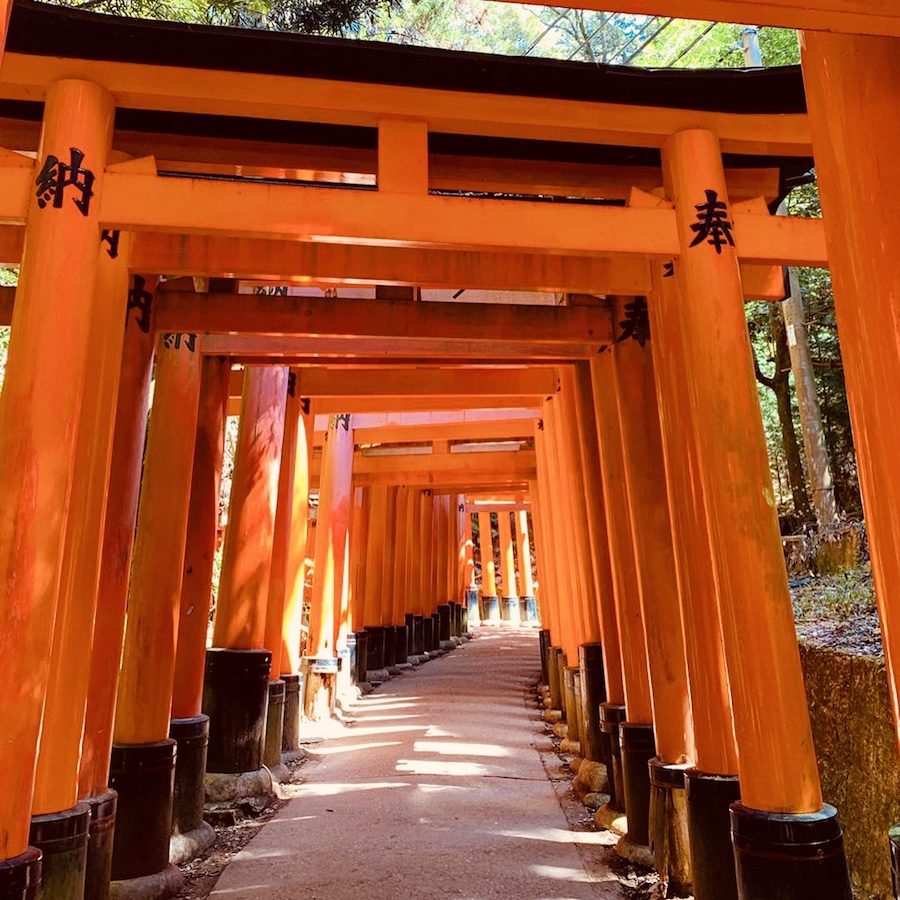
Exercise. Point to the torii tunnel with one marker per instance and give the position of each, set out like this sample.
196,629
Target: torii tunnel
438,288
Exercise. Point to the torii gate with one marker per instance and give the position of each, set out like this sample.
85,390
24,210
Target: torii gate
409,144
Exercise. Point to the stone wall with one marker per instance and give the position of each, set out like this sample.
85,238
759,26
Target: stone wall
858,760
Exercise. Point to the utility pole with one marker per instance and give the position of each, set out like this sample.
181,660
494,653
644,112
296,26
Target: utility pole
750,47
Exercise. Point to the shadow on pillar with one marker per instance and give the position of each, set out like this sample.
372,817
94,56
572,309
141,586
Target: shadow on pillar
20,876
143,776
709,798
190,834
789,855
62,838
235,697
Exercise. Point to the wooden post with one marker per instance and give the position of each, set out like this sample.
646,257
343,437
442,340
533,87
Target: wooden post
777,763
490,611
118,537
649,508
632,643
39,409
426,598
200,547
328,596
374,557
296,564
56,784
240,621
598,535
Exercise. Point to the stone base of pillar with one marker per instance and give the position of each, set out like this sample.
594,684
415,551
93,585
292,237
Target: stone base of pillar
638,748
611,819
100,844
639,854
509,611
611,717
158,886
230,795
789,855
669,839
190,834
590,784
490,609
235,697
709,798
20,876
62,838
143,775
290,734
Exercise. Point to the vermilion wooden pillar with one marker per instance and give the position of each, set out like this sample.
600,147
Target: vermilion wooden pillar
200,547
598,535
490,610
56,782
147,676
246,557
375,556
359,530
112,589
39,409
296,563
649,509
635,674
397,609
777,761
509,611
546,576
525,575
713,785
427,597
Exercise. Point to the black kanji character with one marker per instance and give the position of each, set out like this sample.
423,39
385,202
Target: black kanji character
111,238
668,270
140,300
636,324
55,176
712,223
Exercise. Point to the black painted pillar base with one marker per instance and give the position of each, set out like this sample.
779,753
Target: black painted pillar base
190,834
709,798
410,622
62,838
400,641
418,635
784,856
454,619
553,682
544,641
429,635
143,775
436,620
274,725
490,609
351,657
100,844
362,659
528,609
570,701
638,748
390,646
669,841
593,693
474,614
612,715
562,663
509,610
443,612
20,876
235,697
290,734
375,651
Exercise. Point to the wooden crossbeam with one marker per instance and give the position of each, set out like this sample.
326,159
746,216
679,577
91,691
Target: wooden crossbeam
398,219
140,86
489,324
877,17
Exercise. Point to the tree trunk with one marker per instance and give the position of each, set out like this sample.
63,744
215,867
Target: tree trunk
818,466
780,384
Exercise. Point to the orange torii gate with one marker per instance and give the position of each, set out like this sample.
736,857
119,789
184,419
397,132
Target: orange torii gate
118,167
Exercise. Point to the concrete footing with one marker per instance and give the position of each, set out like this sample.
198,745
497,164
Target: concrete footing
185,847
591,783
247,792
611,819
